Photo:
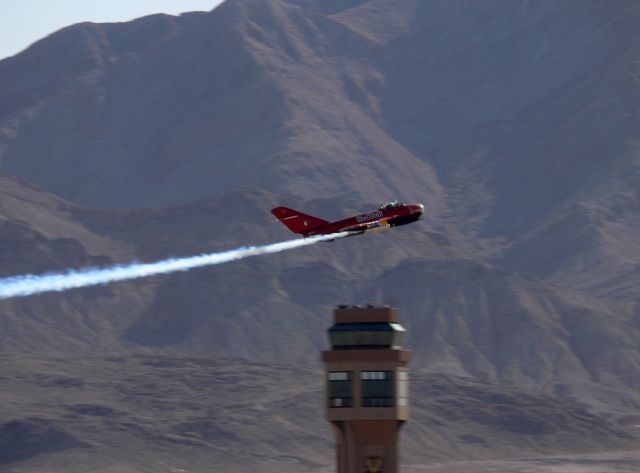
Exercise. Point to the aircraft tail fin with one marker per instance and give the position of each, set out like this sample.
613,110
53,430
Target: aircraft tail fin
297,222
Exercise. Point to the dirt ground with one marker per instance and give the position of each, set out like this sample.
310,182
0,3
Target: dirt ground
610,462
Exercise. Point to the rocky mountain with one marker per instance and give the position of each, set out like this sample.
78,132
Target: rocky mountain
514,122
463,316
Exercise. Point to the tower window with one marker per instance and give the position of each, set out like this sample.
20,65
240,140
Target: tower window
403,388
377,388
340,389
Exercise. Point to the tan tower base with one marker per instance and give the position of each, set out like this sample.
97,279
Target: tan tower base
367,388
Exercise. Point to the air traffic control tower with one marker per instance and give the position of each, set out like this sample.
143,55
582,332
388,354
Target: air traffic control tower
366,388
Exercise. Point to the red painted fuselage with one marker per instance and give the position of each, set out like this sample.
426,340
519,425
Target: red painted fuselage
388,215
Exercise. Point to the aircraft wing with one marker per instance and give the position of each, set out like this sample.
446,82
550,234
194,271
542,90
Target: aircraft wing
362,227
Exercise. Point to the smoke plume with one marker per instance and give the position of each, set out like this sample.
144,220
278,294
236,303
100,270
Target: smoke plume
29,284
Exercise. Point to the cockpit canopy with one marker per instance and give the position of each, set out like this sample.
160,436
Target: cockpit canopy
390,205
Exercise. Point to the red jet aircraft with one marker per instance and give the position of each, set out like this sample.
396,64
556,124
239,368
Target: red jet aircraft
389,215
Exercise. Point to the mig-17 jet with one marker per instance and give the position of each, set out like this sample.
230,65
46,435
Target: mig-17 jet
388,215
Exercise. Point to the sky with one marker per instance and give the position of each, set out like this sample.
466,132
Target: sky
22,22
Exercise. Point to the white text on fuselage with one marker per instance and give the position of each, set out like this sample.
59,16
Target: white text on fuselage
368,216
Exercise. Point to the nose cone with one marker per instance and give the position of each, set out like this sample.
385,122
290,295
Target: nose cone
418,209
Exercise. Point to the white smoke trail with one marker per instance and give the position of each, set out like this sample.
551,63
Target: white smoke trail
29,284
